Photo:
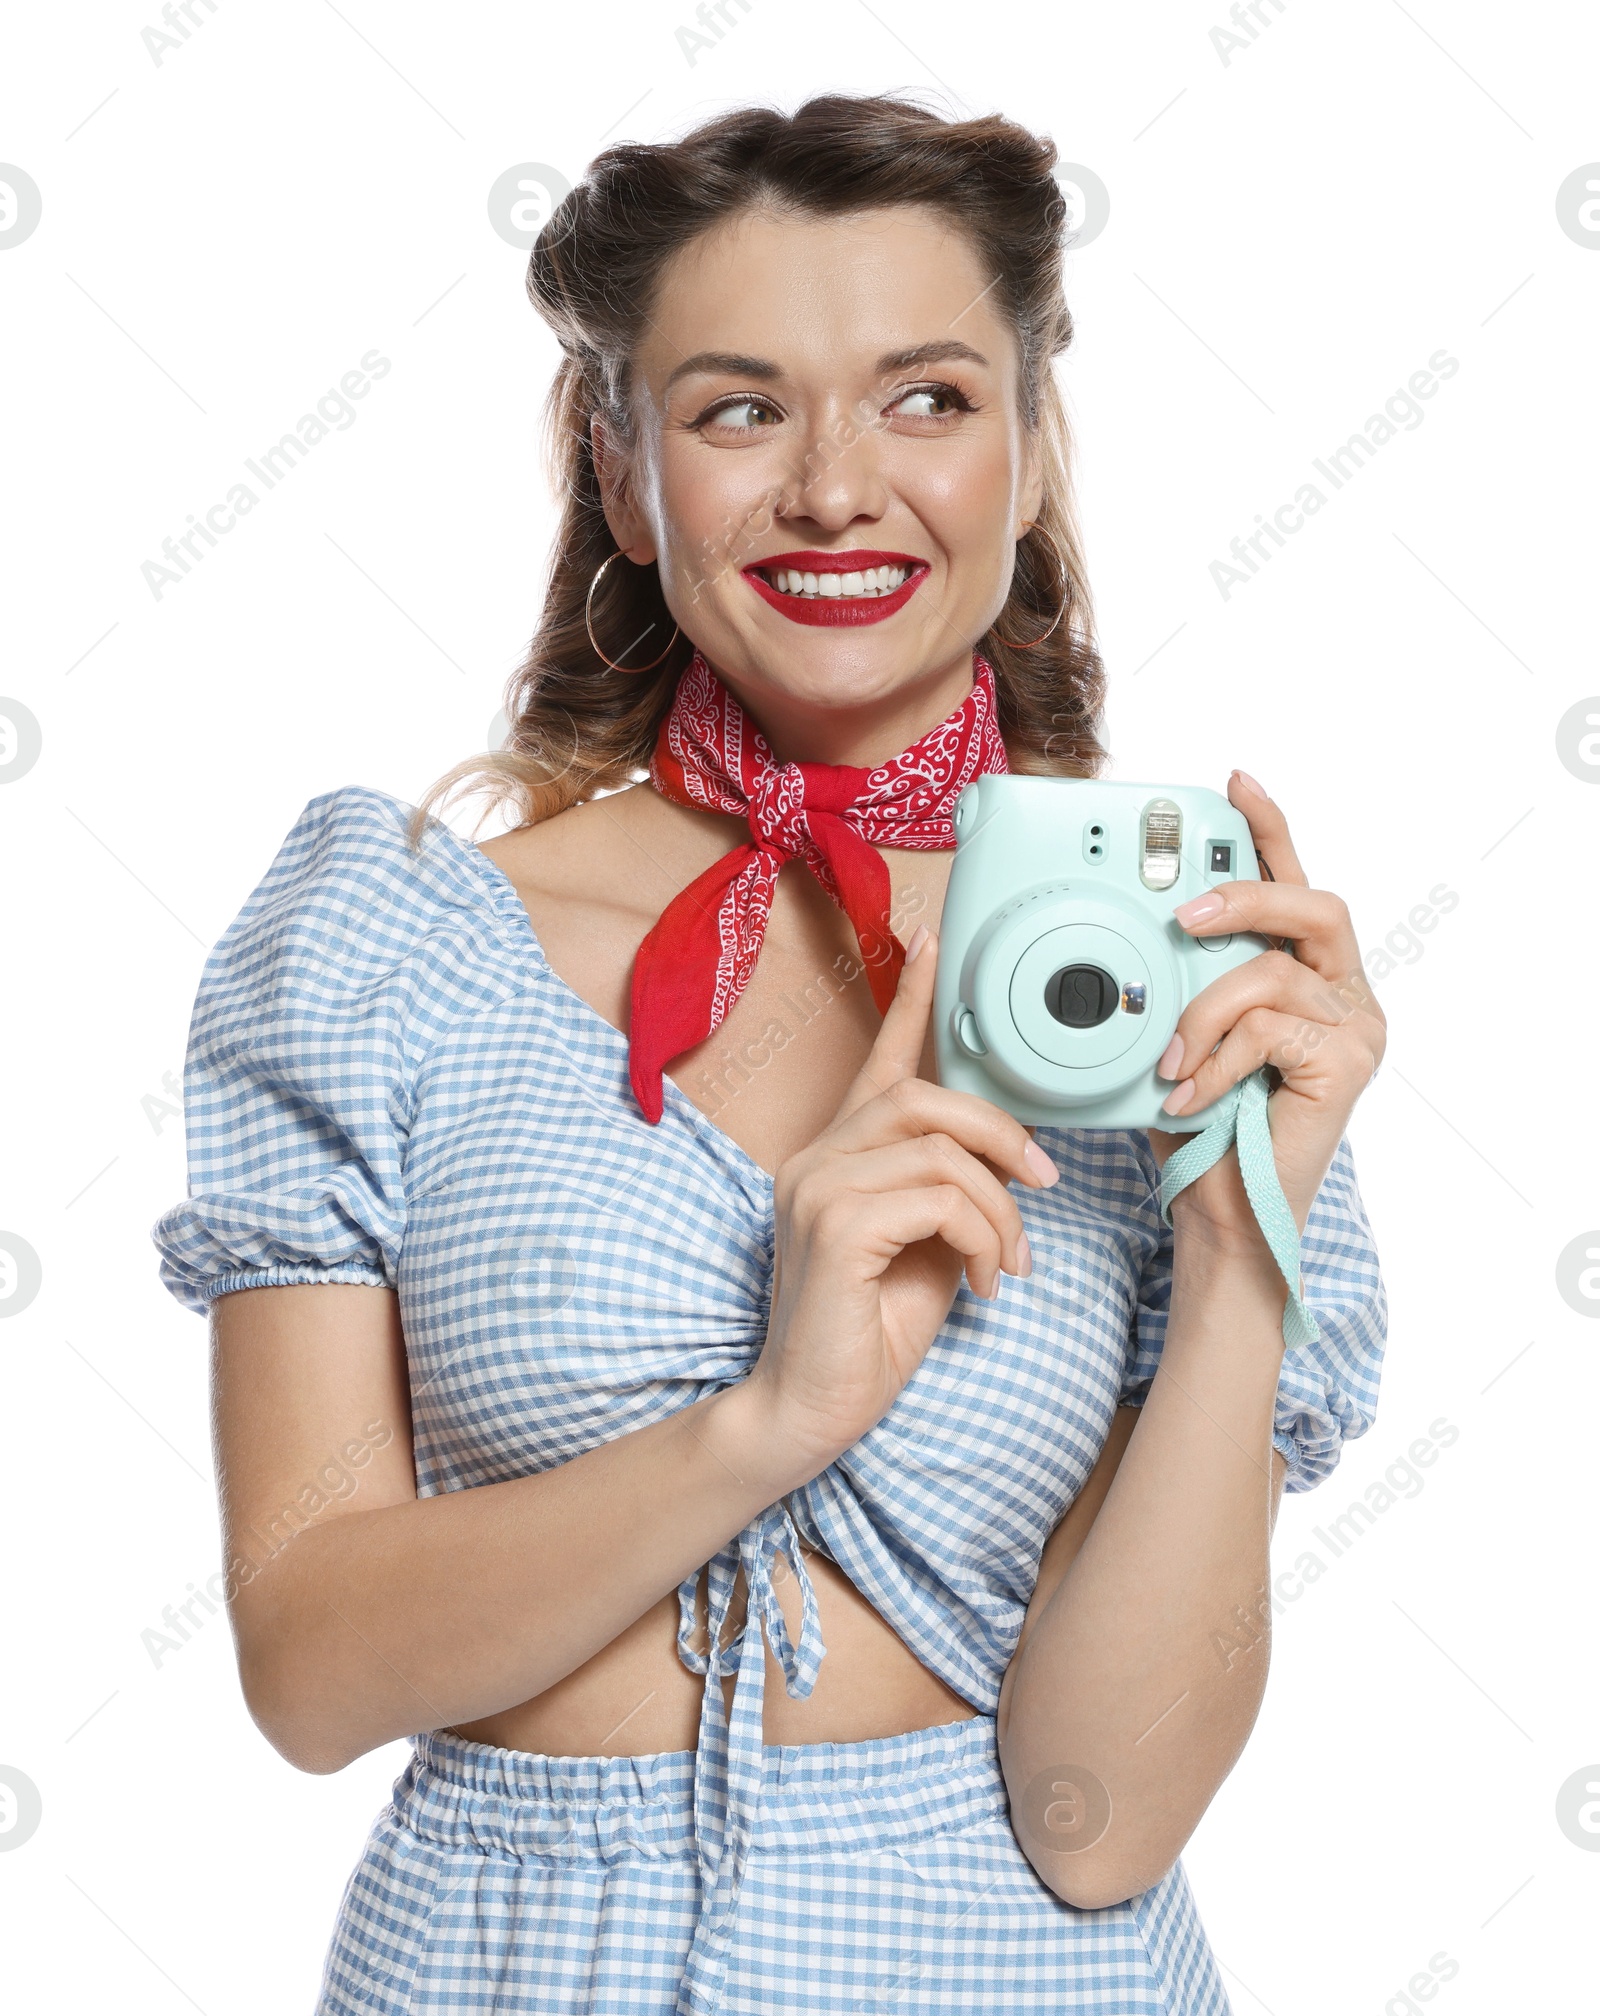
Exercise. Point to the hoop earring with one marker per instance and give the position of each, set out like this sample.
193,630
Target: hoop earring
588,603
1066,595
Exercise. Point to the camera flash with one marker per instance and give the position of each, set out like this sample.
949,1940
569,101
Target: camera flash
1162,837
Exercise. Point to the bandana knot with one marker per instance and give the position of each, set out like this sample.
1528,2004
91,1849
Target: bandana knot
777,813
695,963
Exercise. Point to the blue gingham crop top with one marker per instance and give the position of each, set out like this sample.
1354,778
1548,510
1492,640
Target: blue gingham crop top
386,1082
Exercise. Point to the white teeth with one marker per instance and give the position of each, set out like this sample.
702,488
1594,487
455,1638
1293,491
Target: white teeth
868,582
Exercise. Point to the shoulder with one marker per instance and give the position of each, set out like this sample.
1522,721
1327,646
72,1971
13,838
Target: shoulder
356,839
353,844
596,877
628,850
349,915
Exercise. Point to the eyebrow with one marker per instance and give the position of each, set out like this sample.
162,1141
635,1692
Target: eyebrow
735,364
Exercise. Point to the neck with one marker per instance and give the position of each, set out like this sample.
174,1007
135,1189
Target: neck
859,733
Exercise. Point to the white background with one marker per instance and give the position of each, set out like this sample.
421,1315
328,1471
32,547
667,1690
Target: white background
1293,232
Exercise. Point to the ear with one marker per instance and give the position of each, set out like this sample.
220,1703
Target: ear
612,473
1030,494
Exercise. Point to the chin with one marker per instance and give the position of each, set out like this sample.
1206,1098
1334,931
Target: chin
840,668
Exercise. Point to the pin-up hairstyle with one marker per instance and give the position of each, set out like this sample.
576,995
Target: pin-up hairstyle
578,727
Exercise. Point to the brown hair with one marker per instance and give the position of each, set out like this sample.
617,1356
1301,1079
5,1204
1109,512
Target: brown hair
578,727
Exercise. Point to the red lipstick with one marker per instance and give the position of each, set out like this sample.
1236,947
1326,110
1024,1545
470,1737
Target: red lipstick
835,609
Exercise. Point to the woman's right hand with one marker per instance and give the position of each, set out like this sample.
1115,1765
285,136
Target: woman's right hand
877,1219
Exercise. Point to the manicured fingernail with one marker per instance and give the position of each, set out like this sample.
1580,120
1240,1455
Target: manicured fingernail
1171,1058
1249,783
919,938
1041,1165
1178,1097
1024,1255
1198,908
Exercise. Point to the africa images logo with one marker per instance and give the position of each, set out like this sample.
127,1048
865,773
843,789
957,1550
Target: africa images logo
1402,411
334,413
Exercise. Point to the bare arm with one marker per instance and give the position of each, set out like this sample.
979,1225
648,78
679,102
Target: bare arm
1118,1677
361,1612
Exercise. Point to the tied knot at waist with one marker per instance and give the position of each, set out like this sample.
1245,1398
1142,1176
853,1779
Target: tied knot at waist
757,1550
729,1765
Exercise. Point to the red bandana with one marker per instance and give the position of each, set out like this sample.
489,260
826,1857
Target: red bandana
696,961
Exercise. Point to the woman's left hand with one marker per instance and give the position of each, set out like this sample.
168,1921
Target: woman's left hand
1308,1010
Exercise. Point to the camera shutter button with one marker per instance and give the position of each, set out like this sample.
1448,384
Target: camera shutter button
966,1028
1215,944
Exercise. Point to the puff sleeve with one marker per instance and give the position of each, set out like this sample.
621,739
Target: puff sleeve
1327,1391
296,1073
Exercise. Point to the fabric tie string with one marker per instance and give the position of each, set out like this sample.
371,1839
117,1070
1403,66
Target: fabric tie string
729,1767
697,959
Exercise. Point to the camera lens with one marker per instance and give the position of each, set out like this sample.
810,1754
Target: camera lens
1082,997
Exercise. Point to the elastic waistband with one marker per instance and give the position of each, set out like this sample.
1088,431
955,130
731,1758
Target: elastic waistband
814,1795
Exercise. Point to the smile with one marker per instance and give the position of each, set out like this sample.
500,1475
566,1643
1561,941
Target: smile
853,587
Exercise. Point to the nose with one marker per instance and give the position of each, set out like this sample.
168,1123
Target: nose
839,479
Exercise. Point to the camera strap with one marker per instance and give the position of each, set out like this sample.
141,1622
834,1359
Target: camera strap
1241,1121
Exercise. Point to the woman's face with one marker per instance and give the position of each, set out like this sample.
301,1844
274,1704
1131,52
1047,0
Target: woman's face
825,398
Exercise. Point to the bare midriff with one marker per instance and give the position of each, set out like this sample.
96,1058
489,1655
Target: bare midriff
637,1696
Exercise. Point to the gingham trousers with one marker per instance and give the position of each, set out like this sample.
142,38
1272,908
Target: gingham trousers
883,1876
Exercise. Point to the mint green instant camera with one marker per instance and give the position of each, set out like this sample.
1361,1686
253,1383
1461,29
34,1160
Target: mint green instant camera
1062,972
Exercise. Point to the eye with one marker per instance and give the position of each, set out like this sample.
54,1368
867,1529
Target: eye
735,413
936,402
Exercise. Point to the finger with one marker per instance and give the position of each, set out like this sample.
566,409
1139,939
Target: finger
889,1222
1274,980
913,1106
937,1159
1315,920
1305,1052
1268,829
897,1048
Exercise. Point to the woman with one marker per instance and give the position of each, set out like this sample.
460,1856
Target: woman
944,1402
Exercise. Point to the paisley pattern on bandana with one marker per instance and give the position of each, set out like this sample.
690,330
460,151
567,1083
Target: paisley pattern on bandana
697,961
